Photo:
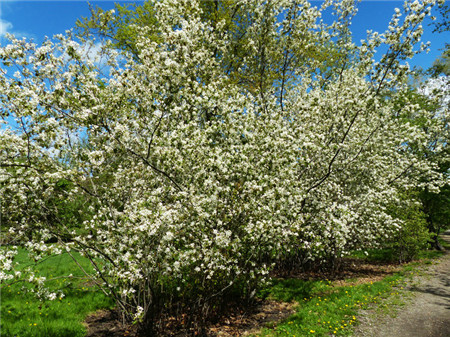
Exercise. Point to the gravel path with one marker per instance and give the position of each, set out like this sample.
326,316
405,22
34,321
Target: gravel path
426,315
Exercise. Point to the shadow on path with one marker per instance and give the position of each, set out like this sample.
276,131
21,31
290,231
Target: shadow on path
428,314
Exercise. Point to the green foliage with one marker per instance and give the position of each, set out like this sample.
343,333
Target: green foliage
413,235
437,208
121,26
431,96
57,209
71,212
441,66
229,20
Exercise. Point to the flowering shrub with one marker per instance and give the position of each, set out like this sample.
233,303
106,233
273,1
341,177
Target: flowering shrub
194,183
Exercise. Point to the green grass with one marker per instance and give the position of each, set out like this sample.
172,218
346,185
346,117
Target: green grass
444,243
376,255
325,309
22,314
430,255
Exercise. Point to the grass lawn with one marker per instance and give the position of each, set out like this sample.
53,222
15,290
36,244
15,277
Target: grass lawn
323,307
24,315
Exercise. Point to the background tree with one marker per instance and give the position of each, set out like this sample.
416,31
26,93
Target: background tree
208,159
437,204
322,51
432,93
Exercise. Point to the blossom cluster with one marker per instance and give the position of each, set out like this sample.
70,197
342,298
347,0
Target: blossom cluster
194,174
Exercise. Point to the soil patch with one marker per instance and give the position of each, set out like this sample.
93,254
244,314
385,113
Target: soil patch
352,271
107,323
241,321
242,324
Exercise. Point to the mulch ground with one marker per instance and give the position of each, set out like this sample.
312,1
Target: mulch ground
107,323
240,321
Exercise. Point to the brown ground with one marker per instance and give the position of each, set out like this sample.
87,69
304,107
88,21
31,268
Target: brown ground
427,314
431,310
248,323
352,272
106,323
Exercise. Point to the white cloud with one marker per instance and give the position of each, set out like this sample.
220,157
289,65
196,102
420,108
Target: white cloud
95,52
5,27
89,51
92,51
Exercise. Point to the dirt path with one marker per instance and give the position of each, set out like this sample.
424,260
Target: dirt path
426,315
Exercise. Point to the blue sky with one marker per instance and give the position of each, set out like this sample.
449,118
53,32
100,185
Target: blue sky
36,19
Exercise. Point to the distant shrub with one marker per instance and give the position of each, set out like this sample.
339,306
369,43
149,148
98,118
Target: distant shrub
413,235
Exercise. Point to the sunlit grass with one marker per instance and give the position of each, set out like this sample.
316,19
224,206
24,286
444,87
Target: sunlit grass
22,314
326,309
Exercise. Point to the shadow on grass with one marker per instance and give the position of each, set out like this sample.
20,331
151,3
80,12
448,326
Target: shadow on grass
288,290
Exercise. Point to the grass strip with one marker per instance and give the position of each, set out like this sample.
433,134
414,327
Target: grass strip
23,315
326,309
